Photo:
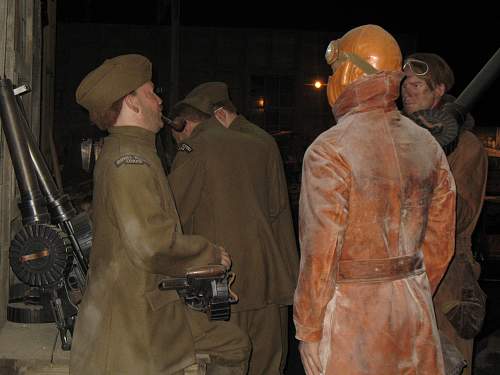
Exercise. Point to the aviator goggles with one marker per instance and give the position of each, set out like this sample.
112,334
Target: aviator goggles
415,66
334,57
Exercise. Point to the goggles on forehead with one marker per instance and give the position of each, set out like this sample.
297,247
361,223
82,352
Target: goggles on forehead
415,66
334,57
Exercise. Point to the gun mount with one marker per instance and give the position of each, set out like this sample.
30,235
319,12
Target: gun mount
50,253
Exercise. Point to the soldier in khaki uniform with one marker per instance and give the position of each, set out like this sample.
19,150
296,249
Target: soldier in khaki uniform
125,324
227,114
228,188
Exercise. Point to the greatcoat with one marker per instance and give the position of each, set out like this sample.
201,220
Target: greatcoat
376,191
216,180
125,324
270,336
228,190
278,201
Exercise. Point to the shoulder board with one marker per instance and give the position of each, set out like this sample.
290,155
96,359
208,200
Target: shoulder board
184,147
130,159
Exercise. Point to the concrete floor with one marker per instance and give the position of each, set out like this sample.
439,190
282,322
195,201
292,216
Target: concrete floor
32,349
35,348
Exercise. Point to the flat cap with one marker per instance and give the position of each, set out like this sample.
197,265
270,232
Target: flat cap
203,97
113,79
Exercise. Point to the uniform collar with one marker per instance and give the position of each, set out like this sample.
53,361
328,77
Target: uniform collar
239,121
138,133
377,91
211,123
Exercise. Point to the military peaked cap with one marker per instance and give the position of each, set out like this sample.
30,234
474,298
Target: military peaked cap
112,80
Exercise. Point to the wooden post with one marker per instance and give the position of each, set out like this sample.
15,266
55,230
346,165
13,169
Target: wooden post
20,61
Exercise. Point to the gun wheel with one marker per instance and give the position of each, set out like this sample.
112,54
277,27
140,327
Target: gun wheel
39,255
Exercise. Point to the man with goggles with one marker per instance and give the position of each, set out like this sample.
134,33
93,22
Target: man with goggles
459,302
423,88
377,199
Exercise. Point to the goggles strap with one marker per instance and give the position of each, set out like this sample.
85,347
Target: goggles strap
360,63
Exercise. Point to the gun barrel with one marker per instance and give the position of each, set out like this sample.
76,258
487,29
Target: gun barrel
173,283
60,206
33,206
32,171
480,83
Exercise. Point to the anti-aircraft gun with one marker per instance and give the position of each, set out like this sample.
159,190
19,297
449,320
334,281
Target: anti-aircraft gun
49,254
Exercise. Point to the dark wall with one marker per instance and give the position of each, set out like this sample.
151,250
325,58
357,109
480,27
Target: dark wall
277,65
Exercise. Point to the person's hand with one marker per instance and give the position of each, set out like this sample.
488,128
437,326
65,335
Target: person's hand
225,259
309,353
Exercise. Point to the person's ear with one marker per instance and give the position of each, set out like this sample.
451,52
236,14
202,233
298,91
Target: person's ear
220,115
440,89
131,102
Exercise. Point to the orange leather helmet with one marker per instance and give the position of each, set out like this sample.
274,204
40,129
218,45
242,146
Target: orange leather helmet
365,49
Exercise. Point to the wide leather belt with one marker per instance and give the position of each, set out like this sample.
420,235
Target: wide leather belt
380,269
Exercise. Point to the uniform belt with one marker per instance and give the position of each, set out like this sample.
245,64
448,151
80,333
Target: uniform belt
380,269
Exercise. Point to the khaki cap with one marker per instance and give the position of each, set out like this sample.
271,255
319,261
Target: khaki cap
112,80
203,97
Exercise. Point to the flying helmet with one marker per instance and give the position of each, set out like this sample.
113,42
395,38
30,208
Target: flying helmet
365,49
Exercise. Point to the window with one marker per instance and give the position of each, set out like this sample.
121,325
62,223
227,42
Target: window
272,101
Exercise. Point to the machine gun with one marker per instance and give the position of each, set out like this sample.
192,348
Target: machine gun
444,124
50,252
206,289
